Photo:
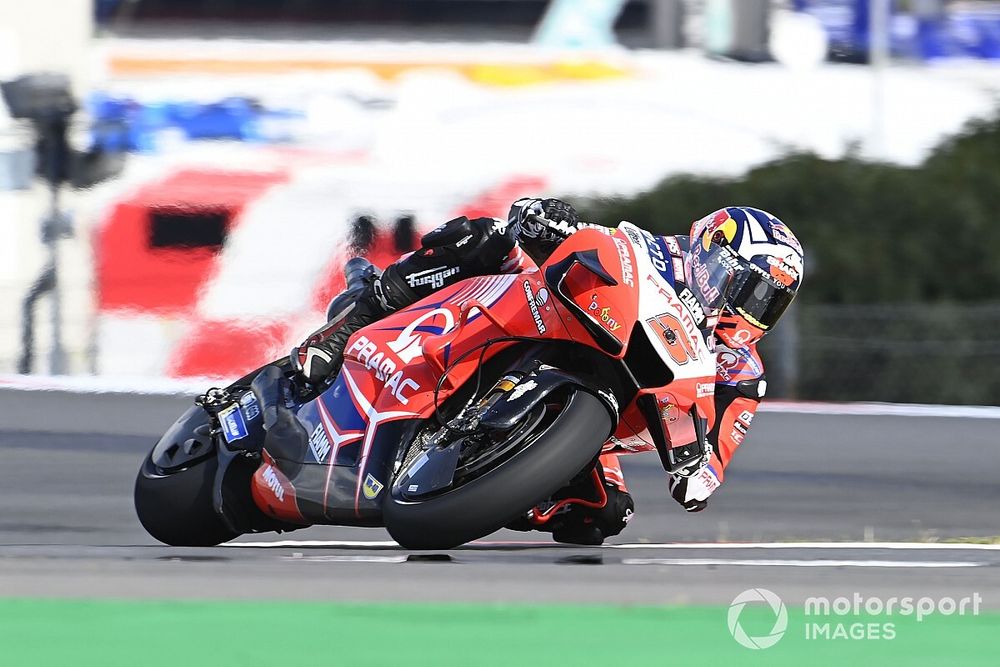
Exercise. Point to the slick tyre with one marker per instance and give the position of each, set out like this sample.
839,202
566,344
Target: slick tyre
176,507
489,502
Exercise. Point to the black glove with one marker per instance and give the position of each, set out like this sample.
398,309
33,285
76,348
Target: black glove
542,224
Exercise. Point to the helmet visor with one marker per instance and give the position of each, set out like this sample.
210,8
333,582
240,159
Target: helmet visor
758,298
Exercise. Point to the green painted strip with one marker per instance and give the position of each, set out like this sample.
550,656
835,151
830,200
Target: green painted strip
108,633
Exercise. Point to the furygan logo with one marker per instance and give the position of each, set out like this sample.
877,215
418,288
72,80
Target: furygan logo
433,277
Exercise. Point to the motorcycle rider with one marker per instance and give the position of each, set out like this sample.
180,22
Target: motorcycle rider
766,265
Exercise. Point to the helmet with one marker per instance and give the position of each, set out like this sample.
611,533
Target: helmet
765,261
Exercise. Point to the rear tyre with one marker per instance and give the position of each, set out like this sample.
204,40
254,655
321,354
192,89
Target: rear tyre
176,507
490,501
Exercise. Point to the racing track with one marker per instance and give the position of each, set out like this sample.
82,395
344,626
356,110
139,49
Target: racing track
67,527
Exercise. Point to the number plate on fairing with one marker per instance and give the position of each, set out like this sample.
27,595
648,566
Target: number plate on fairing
669,323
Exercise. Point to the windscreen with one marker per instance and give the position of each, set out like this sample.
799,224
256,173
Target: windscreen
709,275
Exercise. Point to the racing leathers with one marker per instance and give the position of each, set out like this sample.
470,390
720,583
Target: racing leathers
597,504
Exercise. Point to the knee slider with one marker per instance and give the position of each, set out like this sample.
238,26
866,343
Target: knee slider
754,389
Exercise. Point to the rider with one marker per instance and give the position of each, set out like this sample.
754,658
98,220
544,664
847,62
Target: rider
767,267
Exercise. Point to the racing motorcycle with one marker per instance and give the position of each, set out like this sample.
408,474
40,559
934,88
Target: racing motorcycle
455,416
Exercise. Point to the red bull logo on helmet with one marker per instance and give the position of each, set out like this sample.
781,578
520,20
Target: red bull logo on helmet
721,230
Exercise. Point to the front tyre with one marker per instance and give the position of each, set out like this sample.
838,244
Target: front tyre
176,507
489,501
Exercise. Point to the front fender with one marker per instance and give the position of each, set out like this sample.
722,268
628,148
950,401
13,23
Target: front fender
185,443
533,389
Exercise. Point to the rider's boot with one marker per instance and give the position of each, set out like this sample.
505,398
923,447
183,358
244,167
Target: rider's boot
592,507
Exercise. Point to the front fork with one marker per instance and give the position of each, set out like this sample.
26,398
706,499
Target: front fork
506,405
240,514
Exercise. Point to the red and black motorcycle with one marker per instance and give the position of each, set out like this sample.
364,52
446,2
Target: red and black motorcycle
458,414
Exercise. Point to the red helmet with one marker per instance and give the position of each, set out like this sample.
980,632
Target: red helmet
765,260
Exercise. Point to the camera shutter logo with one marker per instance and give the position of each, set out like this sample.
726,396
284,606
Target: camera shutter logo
780,618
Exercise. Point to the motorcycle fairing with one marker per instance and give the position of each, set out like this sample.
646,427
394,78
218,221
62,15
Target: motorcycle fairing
387,384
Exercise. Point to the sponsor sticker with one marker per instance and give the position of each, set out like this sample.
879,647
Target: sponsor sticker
669,412
366,352
319,443
628,275
655,246
372,487
233,426
603,315
273,483
740,426
533,302
522,389
691,301
433,277
251,409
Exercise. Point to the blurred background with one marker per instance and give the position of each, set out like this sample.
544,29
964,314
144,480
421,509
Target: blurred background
181,181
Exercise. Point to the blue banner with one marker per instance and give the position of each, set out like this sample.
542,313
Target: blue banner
956,31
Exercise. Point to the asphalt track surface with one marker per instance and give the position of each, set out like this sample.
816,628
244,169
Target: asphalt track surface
67,526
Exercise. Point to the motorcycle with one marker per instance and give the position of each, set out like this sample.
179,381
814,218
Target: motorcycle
455,416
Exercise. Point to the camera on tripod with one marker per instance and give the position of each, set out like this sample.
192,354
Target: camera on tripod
47,102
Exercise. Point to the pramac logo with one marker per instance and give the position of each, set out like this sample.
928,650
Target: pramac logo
409,344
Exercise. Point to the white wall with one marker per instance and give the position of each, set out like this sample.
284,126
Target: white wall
40,35
45,34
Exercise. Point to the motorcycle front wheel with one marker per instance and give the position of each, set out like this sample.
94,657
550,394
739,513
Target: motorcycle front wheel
497,489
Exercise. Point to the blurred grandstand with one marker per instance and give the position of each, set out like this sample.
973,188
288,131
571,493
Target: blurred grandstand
266,136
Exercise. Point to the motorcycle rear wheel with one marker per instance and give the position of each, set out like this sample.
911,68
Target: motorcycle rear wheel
491,500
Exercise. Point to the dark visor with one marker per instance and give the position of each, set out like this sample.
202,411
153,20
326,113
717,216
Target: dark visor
758,298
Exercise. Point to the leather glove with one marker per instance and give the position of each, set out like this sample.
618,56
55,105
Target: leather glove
316,362
542,224
692,492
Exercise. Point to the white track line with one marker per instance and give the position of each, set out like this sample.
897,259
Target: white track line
389,544
345,559
334,544
917,546
800,563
